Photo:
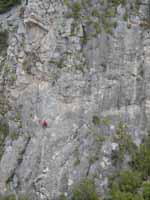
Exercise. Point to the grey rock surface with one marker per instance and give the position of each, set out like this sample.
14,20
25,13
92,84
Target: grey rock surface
66,82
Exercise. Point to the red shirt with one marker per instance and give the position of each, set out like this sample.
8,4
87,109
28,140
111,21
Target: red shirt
44,123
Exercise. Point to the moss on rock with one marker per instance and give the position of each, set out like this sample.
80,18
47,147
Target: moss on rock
13,197
4,131
6,5
3,41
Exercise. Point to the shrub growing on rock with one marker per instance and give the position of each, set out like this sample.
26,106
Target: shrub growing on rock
8,197
4,131
146,190
141,160
6,5
3,40
134,184
85,190
13,197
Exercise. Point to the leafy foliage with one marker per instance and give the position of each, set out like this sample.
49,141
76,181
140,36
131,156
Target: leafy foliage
3,41
6,5
3,134
85,190
133,184
76,8
8,197
146,190
117,2
127,181
96,120
118,195
126,145
141,160
13,197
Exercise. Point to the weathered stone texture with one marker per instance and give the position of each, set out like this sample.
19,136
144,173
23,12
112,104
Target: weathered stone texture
59,79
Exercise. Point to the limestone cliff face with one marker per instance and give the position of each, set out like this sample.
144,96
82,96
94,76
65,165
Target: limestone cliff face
83,68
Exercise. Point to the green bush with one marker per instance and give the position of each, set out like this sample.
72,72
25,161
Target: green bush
8,197
125,186
96,120
126,145
129,181
141,159
4,131
6,5
23,197
118,195
85,190
76,9
3,41
62,197
13,197
117,2
146,191
95,13
133,184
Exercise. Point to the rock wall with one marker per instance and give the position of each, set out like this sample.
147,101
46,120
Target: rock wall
81,67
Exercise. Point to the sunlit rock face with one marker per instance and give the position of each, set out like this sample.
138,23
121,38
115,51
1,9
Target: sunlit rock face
83,70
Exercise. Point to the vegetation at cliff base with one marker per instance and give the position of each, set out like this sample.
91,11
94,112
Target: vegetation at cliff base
127,183
84,190
133,183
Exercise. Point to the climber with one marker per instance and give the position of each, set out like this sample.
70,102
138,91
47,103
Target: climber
44,123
